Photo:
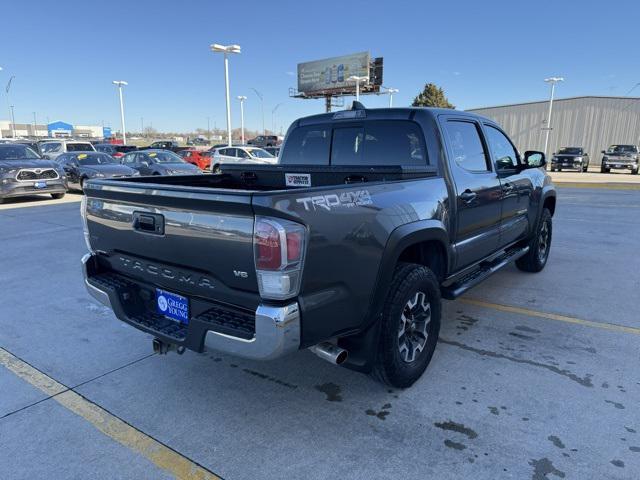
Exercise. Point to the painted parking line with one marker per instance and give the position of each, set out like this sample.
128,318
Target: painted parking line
552,316
159,454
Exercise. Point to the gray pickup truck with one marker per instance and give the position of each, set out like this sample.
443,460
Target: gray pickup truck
345,247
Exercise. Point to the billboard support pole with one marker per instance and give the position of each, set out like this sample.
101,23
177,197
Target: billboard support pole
327,103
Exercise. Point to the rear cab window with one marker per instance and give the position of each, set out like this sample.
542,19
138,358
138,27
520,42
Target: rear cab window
371,143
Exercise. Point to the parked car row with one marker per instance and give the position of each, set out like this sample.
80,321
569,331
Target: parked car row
618,157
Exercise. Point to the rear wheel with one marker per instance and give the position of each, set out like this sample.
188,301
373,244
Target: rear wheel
585,168
410,326
634,171
216,168
57,196
604,169
539,246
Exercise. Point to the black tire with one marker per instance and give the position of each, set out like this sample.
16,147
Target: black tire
538,254
82,184
559,169
585,168
57,196
399,363
634,172
604,170
553,169
216,168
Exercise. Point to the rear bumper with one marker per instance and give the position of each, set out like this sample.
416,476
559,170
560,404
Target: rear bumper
274,332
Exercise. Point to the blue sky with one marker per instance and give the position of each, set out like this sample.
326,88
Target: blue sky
65,54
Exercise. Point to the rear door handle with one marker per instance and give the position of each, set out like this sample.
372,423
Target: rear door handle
468,196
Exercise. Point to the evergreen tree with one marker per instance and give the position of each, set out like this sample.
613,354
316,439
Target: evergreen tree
432,96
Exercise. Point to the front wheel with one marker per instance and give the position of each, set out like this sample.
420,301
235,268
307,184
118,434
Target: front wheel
57,196
634,171
539,246
410,326
604,170
585,168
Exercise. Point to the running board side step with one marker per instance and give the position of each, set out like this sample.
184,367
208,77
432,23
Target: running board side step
484,270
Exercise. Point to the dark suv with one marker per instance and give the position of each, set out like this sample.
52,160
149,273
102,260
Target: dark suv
264,141
622,157
574,158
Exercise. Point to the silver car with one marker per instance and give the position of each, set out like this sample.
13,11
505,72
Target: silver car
240,155
53,149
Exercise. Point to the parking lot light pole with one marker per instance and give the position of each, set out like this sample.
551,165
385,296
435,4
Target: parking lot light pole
391,91
120,84
357,80
264,131
10,107
552,81
242,98
273,117
226,49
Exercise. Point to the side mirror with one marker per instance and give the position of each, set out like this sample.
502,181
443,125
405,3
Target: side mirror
534,159
603,151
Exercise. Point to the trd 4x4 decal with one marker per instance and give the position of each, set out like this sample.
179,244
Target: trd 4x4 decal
328,202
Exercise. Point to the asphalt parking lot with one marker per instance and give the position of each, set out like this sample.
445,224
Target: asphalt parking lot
536,376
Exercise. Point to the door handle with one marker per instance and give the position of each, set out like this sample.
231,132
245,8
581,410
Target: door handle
507,188
468,196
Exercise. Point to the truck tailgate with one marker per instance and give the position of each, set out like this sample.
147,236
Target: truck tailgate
178,238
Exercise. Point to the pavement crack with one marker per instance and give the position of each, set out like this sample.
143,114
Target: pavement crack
585,382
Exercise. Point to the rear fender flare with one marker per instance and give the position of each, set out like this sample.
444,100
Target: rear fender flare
399,240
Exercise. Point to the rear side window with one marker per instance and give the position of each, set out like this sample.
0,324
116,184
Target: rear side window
79,147
466,146
308,146
378,143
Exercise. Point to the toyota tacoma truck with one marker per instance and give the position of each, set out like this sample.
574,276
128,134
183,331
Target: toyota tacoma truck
346,247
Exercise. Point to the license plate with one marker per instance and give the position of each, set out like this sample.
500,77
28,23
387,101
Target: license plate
172,306
40,185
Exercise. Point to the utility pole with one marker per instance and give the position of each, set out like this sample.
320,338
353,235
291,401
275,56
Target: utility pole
208,130
35,125
552,81
13,122
391,91
10,107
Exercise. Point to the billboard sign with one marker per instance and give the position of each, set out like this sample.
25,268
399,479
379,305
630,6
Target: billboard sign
106,132
331,74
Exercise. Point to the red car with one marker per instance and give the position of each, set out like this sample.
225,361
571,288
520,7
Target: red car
199,158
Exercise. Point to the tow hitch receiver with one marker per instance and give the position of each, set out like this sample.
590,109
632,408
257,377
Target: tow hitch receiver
162,348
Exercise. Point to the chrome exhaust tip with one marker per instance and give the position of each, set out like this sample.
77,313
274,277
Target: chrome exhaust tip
330,352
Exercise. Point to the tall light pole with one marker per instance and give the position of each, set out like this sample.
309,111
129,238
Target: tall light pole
120,84
226,49
264,132
273,116
35,125
552,81
242,98
357,80
13,121
208,130
391,91
10,107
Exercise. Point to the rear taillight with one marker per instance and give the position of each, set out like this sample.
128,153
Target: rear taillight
279,247
118,155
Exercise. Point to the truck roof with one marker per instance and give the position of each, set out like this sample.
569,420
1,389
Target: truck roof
399,113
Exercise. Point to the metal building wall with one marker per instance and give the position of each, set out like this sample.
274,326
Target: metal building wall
590,122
